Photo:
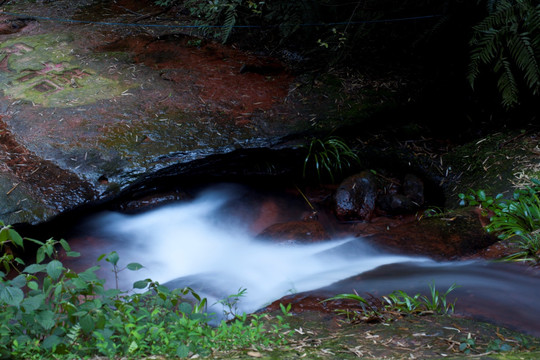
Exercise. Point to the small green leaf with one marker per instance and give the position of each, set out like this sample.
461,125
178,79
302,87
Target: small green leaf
40,255
15,237
481,195
133,347
54,269
73,254
4,234
113,258
134,266
32,285
65,245
141,284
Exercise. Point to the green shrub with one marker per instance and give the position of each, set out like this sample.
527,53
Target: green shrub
48,310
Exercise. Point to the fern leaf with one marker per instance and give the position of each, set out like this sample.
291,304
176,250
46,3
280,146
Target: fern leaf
507,83
508,40
228,25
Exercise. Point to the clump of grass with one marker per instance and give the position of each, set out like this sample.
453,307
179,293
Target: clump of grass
397,303
329,157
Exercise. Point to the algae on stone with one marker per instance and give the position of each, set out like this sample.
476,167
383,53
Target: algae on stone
43,69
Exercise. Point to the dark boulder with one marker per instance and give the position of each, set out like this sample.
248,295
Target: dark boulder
413,188
356,196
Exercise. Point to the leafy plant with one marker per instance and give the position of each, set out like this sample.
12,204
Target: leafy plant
498,345
436,302
48,310
230,303
329,156
508,41
517,219
467,344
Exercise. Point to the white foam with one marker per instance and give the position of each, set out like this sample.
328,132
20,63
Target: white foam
188,239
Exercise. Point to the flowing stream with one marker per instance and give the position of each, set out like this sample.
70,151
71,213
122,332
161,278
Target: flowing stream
203,244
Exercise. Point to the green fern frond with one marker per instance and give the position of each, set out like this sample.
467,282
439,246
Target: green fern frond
507,83
508,41
228,25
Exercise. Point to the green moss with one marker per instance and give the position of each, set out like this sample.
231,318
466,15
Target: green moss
42,69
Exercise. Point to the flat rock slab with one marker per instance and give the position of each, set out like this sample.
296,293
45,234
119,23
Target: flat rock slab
86,109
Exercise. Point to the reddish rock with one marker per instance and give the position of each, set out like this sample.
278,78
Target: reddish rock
307,231
356,196
445,238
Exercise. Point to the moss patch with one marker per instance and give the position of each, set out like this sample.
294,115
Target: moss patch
43,69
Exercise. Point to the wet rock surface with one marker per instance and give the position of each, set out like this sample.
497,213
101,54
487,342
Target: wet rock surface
442,238
356,196
105,105
296,232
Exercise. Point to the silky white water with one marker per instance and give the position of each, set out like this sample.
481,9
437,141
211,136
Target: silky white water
196,244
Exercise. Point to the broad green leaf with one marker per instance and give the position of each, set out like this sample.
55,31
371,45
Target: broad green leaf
79,284
11,295
51,342
46,319
134,266
15,237
141,284
54,269
33,303
34,268
19,281
87,323
112,293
